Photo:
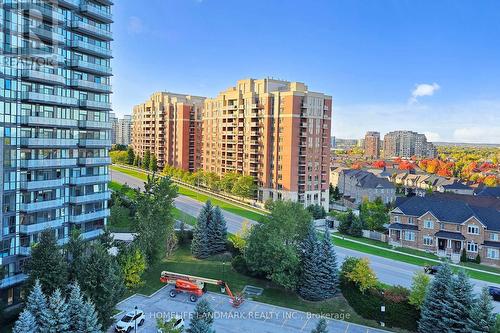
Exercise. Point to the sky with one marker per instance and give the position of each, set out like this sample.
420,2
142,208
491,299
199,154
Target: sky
431,66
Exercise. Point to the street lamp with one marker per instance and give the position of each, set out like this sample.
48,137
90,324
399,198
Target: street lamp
135,319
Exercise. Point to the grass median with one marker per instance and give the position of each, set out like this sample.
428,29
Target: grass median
198,196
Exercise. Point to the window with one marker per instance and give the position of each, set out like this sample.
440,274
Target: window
441,226
493,253
428,240
471,247
409,236
410,220
494,237
473,230
396,219
428,224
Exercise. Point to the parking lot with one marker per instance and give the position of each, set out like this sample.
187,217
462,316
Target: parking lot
251,317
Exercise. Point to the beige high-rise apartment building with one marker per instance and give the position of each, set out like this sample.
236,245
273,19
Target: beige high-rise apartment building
276,131
407,144
372,145
169,125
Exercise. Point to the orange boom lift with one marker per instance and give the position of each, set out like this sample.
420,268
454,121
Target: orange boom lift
195,286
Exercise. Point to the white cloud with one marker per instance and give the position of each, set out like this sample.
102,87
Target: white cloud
135,25
423,89
432,136
477,134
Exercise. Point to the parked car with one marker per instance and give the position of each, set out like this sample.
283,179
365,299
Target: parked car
178,324
432,269
494,292
128,321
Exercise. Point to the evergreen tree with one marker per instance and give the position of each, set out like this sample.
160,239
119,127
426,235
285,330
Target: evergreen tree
432,313
310,287
75,305
460,304
320,327
56,319
26,323
356,228
130,155
153,163
199,245
146,160
75,248
218,232
47,264
36,302
88,321
482,318
346,220
106,239
203,318
328,268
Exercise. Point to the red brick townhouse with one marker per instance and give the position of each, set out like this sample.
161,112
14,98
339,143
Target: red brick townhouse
445,227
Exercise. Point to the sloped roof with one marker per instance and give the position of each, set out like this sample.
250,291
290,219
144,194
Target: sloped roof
456,186
489,192
367,179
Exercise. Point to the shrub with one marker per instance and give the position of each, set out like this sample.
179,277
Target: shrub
240,265
397,294
478,259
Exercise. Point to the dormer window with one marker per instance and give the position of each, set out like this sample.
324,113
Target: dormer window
473,230
396,219
429,224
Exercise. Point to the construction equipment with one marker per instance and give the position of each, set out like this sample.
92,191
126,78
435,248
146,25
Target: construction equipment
195,286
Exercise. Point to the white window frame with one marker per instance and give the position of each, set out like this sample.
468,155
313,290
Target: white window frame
396,218
410,220
428,222
494,236
491,250
471,228
408,233
472,247
428,238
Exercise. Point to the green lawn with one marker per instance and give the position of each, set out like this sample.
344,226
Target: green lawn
244,212
183,262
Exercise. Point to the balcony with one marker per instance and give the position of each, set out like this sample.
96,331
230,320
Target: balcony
90,198
104,2
39,11
34,97
41,55
94,105
96,13
84,180
37,227
91,30
41,184
42,77
12,280
94,124
92,49
90,67
42,142
41,205
48,163
92,234
94,143
40,33
90,86
48,121
72,4
94,160
82,218
24,250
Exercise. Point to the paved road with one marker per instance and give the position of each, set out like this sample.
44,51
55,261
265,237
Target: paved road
250,317
388,271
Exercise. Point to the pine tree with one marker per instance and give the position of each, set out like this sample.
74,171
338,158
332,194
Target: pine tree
218,239
199,245
75,305
435,302
310,287
153,163
460,304
356,228
130,156
146,160
36,302
55,319
328,269
26,323
202,318
88,321
482,319
320,327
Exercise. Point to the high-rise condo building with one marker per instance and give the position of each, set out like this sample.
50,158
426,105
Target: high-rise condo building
276,131
169,126
121,130
407,144
372,145
54,125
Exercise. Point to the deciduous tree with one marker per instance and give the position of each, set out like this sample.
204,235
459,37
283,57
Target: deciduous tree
133,264
418,289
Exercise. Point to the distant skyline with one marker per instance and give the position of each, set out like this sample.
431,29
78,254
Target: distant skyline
427,66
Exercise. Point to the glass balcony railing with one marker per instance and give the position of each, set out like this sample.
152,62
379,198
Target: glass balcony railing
41,205
83,180
24,250
40,33
104,2
41,55
41,184
42,142
36,9
91,30
89,216
38,227
94,143
94,124
92,234
30,96
90,198
48,163
12,280
72,4
42,77
90,67
94,160
96,13
94,105
92,49
48,121
90,86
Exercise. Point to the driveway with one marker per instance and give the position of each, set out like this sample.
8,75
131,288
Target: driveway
251,317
